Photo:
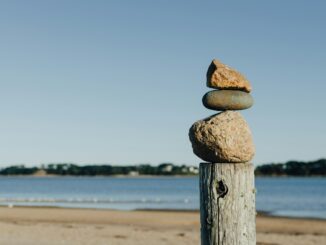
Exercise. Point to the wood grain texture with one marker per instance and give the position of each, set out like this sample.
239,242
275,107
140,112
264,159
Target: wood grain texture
227,204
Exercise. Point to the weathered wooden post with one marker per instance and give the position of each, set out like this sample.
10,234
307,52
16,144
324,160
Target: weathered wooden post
224,141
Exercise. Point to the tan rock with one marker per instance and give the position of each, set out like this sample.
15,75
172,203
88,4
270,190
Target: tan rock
221,76
222,138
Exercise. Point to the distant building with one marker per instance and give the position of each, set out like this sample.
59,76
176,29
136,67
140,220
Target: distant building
193,170
166,168
185,170
40,173
133,173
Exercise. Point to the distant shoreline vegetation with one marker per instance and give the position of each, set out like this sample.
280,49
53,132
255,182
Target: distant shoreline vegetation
293,168
68,169
290,168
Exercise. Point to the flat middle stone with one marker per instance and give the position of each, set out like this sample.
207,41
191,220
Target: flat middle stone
222,100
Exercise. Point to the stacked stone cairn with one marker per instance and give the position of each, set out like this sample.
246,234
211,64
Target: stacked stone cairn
224,137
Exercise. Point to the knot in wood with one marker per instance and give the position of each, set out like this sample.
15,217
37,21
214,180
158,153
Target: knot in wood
222,189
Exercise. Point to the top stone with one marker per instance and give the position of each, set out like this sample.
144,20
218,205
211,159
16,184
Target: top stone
221,76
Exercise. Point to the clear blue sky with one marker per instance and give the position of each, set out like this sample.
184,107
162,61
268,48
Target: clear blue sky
121,81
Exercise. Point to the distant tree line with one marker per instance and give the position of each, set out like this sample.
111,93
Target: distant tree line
290,168
293,168
100,170
21,170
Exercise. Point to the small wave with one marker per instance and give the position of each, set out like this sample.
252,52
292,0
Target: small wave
79,200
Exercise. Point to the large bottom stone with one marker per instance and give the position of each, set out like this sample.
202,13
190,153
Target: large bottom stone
224,137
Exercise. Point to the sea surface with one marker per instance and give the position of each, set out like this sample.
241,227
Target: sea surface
297,197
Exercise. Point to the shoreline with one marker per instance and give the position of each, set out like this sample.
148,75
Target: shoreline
97,176
147,176
258,213
52,226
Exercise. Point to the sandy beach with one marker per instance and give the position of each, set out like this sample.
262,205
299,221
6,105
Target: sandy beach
53,226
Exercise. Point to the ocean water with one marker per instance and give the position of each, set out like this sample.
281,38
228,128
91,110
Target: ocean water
297,197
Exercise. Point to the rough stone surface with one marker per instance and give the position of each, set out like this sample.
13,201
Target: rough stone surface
221,76
222,100
223,138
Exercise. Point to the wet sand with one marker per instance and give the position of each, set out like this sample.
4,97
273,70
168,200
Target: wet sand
53,226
